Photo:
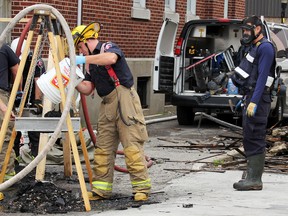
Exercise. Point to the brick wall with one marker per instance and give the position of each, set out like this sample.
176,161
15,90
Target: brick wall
215,9
67,8
136,37
236,9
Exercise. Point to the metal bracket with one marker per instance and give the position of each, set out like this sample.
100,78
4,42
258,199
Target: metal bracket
45,125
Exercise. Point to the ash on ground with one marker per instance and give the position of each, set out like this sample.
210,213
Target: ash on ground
57,195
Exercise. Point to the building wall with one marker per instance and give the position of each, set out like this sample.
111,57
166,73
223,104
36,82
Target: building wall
270,9
236,9
136,37
267,8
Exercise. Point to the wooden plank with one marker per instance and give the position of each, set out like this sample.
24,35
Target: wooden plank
86,157
7,20
67,156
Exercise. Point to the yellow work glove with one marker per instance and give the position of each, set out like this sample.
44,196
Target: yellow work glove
251,109
1,196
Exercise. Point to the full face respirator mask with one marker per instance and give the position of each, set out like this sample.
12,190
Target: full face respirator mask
248,38
253,21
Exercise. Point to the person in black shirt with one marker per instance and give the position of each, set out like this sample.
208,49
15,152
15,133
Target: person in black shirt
9,64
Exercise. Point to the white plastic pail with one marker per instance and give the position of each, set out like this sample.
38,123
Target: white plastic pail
48,83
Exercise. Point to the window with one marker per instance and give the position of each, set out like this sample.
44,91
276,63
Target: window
139,3
279,38
191,10
5,10
142,90
170,11
139,10
191,7
170,5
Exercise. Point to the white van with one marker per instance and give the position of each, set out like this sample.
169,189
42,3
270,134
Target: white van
279,35
196,73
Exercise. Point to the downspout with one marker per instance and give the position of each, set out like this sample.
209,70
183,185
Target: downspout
226,3
283,9
82,96
79,12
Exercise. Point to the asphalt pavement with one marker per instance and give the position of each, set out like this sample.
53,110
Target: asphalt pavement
205,193
211,193
194,192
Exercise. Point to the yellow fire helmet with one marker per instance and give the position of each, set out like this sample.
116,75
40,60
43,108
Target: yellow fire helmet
82,32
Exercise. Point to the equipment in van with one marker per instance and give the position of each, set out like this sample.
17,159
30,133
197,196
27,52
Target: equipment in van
221,63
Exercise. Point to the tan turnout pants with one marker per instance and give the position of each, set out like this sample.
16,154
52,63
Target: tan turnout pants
130,130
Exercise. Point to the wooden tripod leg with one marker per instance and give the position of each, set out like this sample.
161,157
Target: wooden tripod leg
44,137
40,169
67,156
86,156
69,125
7,156
66,144
58,39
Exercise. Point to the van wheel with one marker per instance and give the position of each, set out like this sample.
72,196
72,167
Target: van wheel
276,115
185,115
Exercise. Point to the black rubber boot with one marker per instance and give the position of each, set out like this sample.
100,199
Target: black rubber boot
255,168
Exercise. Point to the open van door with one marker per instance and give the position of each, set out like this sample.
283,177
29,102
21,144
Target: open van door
164,58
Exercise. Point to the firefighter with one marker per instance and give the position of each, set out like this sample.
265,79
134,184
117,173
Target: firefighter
9,64
255,76
121,117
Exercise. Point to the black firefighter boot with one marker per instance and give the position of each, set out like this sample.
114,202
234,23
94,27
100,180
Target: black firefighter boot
255,167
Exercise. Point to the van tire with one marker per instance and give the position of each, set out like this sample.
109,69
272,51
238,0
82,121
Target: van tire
185,115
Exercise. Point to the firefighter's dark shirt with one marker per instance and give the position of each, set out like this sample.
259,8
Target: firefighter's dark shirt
8,59
99,75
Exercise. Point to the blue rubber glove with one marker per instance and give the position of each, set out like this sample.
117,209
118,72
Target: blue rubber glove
19,95
18,98
238,105
80,60
251,109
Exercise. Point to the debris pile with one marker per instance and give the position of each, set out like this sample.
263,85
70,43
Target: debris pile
45,197
275,161
278,141
30,196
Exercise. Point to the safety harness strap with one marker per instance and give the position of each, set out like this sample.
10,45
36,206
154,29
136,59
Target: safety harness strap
112,75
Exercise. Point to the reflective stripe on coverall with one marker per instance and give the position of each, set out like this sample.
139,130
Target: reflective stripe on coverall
131,132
